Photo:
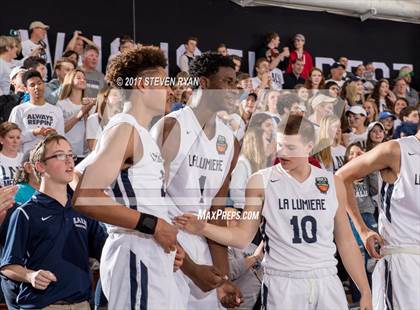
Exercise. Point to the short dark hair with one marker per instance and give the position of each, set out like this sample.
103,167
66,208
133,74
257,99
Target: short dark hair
124,39
286,101
236,57
30,74
209,63
270,36
221,45
260,60
406,112
296,60
191,38
33,61
131,64
90,47
298,125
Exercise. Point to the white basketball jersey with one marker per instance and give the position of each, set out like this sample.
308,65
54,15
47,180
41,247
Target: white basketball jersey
199,169
399,215
298,220
141,186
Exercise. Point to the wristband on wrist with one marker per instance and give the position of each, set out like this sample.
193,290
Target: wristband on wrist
147,224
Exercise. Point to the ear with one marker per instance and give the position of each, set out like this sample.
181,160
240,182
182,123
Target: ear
39,167
309,147
204,82
140,84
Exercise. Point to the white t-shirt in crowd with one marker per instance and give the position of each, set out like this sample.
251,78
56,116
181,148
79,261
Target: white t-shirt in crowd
276,77
5,69
28,46
8,168
76,135
29,117
93,128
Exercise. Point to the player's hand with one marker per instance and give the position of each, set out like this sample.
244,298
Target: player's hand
41,279
179,257
165,235
366,301
370,240
190,223
229,295
207,277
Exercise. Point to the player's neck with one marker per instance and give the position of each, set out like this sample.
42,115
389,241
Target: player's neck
301,172
204,116
140,112
54,190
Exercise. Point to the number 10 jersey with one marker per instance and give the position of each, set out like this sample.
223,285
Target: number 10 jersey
298,220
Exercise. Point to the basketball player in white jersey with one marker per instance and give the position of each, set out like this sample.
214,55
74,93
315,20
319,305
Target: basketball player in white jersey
302,209
396,278
123,186
199,153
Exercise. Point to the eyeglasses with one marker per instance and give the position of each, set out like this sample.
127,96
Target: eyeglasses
62,157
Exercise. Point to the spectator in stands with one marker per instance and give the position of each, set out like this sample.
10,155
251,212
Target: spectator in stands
387,119
268,124
238,62
360,71
222,49
300,53
26,180
51,256
369,77
412,95
94,79
271,52
333,89
409,117
10,156
109,102
295,77
372,109
266,78
78,43
329,151
8,102
188,56
126,44
376,135
401,90
35,46
354,92
75,110
356,117
289,104
247,107
315,81
399,104
53,87
383,96
322,106
9,50
337,71
38,118
271,99
345,62
302,92
72,56
36,63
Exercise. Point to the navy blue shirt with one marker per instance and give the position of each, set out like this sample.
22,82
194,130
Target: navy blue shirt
42,234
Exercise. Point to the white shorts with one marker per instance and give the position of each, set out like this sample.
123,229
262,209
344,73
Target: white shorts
137,274
396,282
303,290
197,248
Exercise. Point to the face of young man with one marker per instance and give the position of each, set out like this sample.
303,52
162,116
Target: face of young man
35,87
401,86
54,168
298,67
191,46
292,151
65,68
355,120
263,68
344,61
413,117
220,90
222,51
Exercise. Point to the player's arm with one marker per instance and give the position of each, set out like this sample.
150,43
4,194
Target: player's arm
116,147
218,251
383,156
348,249
239,236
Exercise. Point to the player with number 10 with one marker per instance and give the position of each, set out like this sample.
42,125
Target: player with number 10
302,209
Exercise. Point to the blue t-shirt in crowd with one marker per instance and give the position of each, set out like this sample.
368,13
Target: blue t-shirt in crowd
24,193
43,234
